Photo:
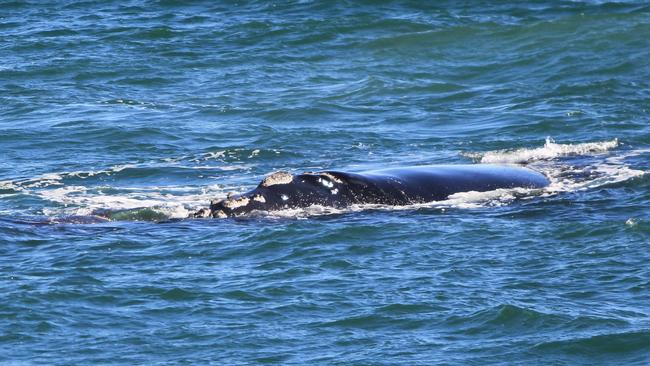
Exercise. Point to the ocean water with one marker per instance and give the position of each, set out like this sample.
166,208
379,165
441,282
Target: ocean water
143,111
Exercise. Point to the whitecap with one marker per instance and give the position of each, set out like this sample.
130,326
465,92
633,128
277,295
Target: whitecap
550,150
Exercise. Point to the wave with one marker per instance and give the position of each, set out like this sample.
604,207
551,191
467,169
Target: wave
611,343
509,318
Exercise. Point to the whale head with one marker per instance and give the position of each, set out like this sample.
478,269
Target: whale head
278,191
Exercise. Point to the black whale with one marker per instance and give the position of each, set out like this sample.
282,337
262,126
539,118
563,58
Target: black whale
399,186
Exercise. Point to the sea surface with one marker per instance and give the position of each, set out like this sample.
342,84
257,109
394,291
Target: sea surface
120,118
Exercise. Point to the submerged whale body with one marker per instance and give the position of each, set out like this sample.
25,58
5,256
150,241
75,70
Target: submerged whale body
398,187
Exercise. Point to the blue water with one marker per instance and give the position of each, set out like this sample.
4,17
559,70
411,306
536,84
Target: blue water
143,111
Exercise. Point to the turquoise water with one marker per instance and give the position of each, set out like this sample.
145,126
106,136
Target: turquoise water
143,111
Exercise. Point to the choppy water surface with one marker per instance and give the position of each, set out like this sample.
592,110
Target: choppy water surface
144,111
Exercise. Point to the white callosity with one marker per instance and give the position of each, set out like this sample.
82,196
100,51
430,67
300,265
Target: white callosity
277,178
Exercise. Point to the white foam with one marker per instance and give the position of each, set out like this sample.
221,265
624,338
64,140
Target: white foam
56,179
595,175
549,151
9,185
565,177
175,202
497,197
632,222
79,200
50,179
213,155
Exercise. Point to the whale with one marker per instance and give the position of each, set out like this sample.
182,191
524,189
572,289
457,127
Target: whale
391,186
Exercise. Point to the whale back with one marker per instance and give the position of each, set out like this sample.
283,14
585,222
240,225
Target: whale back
437,182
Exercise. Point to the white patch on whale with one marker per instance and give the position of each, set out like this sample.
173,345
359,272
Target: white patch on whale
235,203
277,178
326,183
331,177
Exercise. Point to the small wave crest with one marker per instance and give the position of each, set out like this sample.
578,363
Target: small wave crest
598,168
550,150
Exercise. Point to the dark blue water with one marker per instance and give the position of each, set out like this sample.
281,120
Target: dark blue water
143,111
